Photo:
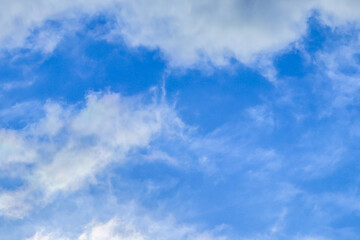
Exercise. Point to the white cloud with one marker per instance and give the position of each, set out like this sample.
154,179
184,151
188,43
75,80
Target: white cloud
187,32
191,32
262,115
15,84
15,148
144,229
71,145
137,228
20,18
14,204
311,238
43,236
341,66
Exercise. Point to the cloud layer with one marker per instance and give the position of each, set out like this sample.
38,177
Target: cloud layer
190,33
187,33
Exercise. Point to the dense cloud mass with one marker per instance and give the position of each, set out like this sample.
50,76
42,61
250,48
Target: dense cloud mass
187,32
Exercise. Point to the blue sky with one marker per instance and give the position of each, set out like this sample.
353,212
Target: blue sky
179,120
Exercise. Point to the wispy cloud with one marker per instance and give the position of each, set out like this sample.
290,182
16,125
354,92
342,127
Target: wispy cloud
133,226
68,146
